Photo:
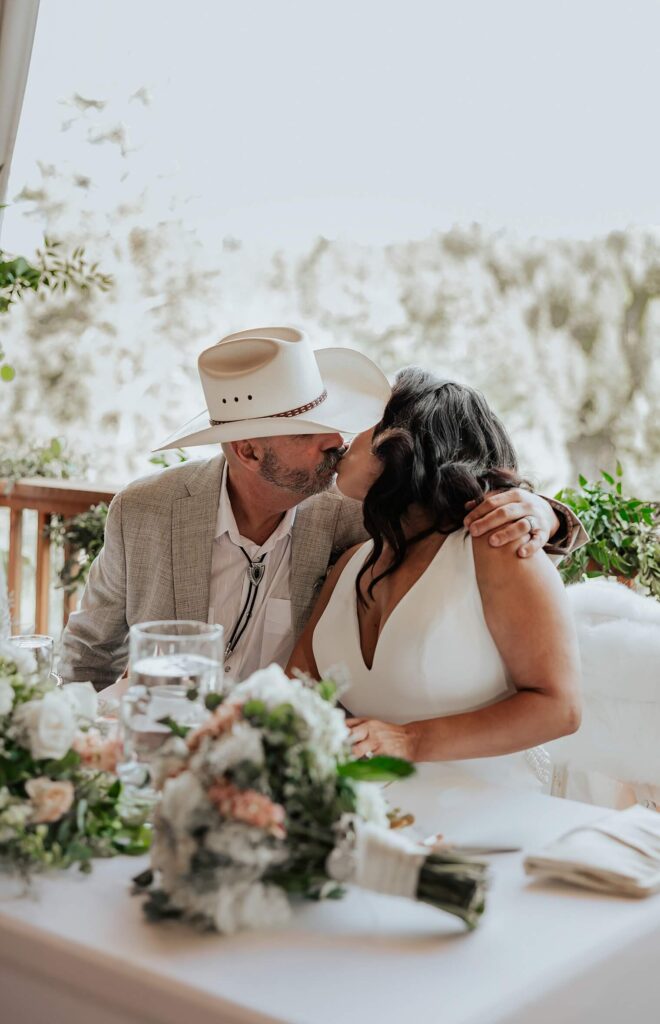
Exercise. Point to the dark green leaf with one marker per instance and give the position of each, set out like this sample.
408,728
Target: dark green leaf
377,769
144,879
212,701
254,708
174,727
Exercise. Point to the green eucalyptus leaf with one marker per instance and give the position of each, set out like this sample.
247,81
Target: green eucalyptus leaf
327,689
174,727
380,768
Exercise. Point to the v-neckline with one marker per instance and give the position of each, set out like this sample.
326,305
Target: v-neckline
356,617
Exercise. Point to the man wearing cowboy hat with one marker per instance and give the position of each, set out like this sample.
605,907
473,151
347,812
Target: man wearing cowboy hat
245,539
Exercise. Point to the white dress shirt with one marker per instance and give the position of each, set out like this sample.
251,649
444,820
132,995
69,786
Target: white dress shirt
268,636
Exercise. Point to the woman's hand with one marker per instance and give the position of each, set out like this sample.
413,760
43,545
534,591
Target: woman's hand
369,736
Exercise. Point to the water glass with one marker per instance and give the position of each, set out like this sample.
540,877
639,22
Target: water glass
173,666
177,655
41,647
146,714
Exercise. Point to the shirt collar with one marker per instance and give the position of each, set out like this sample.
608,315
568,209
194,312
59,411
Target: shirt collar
226,523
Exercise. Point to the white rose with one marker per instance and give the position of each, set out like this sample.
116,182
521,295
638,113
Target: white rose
371,804
327,727
49,723
14,818
270,684
6,696
83,699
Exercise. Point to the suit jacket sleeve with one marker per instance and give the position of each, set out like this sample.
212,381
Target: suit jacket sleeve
95,640
571,536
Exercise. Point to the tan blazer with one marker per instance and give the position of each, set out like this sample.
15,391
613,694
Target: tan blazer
156,562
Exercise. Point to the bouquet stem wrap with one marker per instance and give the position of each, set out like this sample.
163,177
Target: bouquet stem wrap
386,862
390,863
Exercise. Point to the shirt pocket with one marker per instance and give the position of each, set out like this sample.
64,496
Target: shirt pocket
278,631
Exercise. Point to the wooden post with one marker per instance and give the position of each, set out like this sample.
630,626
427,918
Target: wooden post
43,574
48,498
70,600
15,567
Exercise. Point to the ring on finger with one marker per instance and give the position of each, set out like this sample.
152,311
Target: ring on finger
533,528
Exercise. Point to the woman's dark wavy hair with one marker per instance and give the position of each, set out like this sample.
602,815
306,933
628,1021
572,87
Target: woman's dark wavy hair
441,446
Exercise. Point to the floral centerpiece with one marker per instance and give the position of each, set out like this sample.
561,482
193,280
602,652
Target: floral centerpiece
59,801
262,802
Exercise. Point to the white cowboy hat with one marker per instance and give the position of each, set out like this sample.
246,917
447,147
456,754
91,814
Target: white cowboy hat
270,381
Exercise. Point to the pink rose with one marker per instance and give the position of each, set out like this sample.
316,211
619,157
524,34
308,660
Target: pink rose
222,720
248,806
49,799
97,751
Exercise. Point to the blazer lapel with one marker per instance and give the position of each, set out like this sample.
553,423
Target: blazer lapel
194,518
311,549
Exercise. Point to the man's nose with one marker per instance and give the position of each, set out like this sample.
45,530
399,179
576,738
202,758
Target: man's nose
332,441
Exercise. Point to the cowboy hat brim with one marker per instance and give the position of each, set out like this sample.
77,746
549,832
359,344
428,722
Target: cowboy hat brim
357,393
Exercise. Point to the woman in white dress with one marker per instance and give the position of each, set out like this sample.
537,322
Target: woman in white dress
454,649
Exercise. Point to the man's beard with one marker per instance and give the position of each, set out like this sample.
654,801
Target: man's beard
300,481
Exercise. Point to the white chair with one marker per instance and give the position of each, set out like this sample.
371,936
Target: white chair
614,758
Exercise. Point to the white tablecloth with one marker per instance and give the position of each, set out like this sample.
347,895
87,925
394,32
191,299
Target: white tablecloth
79,950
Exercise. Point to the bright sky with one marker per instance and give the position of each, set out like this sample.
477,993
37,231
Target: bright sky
371,119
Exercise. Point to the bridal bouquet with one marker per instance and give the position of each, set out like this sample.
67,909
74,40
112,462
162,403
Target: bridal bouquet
262,802
59,801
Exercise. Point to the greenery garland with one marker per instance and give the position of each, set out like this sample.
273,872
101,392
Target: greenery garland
624,533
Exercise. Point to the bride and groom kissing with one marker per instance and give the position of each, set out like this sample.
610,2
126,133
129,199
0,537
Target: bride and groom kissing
412,557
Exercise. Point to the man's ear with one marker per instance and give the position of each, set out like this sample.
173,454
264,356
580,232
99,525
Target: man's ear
247,453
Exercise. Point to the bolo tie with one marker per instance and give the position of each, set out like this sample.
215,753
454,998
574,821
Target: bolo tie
255,573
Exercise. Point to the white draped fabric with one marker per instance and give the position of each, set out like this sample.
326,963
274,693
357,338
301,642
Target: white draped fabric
18,20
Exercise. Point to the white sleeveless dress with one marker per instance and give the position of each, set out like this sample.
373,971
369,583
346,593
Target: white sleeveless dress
435,655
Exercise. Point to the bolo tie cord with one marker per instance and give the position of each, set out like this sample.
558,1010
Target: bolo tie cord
256,571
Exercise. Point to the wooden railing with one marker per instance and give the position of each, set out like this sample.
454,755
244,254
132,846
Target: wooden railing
48,498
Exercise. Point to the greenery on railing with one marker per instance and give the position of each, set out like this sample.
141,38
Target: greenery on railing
51,460
624,533
82,536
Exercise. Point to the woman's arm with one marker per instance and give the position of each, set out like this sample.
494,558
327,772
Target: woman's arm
302,657
528,616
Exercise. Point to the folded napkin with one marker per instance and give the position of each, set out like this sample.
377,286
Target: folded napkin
617,854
